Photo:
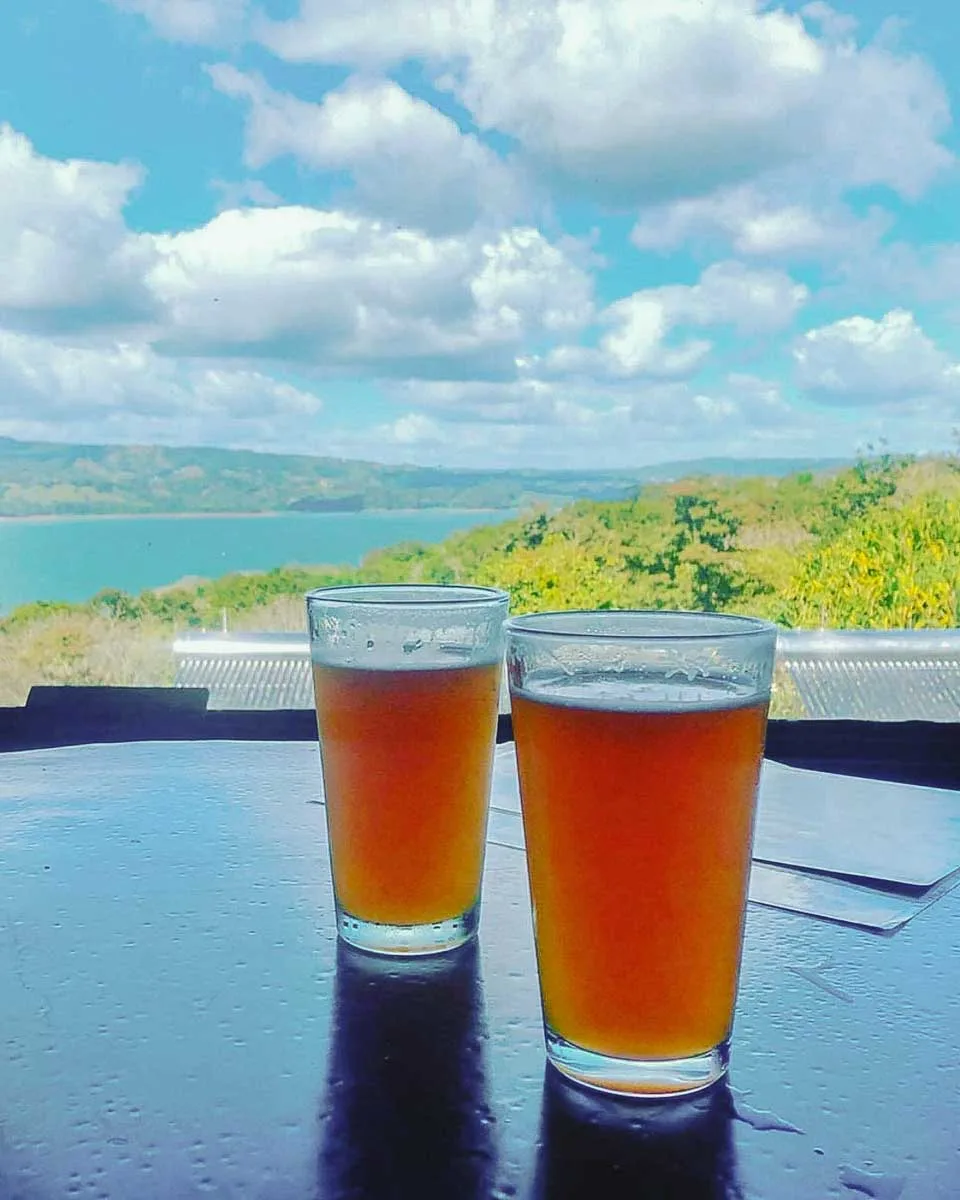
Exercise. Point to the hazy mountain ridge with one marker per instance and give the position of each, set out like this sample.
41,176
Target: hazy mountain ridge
45,478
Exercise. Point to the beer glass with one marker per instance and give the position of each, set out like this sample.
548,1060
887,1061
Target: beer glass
406,680
639,740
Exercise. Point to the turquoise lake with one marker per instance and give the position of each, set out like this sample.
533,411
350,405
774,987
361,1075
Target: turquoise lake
73,558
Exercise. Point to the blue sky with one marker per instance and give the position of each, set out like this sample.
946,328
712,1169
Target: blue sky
572,233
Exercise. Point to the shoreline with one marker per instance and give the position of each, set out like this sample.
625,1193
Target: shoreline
47,518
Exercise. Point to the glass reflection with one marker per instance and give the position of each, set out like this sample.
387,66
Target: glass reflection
592,1146
406,1112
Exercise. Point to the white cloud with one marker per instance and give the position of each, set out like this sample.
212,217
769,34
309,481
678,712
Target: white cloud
900,273
414,429
627,425
883,114
636,343
66,253
729,293
835,26
98,390
340,292
194,21
528,282
565,424
587,408
243,192
860,361
375,33
409,161
518,401
345,291
761,403
759,224
635,103
639,341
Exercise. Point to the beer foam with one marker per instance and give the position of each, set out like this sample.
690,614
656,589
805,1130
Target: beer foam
633,691
379,657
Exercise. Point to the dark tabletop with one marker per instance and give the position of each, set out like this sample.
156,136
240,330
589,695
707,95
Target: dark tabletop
176,1020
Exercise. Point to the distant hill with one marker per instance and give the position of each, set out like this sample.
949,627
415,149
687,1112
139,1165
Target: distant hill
46,478
736,468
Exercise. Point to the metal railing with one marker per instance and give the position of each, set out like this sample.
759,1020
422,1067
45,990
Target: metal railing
861,674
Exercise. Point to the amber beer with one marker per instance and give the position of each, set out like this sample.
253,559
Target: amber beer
638,828
407,757
638,779
407,682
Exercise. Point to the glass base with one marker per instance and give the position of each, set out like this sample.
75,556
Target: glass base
407,941
650,1078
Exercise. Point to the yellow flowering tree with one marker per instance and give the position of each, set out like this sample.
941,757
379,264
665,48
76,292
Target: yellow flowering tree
560,572
899,568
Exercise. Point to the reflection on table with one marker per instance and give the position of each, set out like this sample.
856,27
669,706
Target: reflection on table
406,1111
593,1146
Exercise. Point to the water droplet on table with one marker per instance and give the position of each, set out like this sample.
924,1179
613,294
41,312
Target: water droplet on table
760,1119
875,1184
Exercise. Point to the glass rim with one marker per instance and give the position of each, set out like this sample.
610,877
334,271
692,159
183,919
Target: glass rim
743,626
445,594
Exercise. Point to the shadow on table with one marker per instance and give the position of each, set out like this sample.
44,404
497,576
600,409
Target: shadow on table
405,1112
591,1146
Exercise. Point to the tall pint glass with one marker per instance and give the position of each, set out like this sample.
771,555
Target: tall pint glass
407,682
639,741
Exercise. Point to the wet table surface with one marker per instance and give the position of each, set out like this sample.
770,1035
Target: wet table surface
177,1020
